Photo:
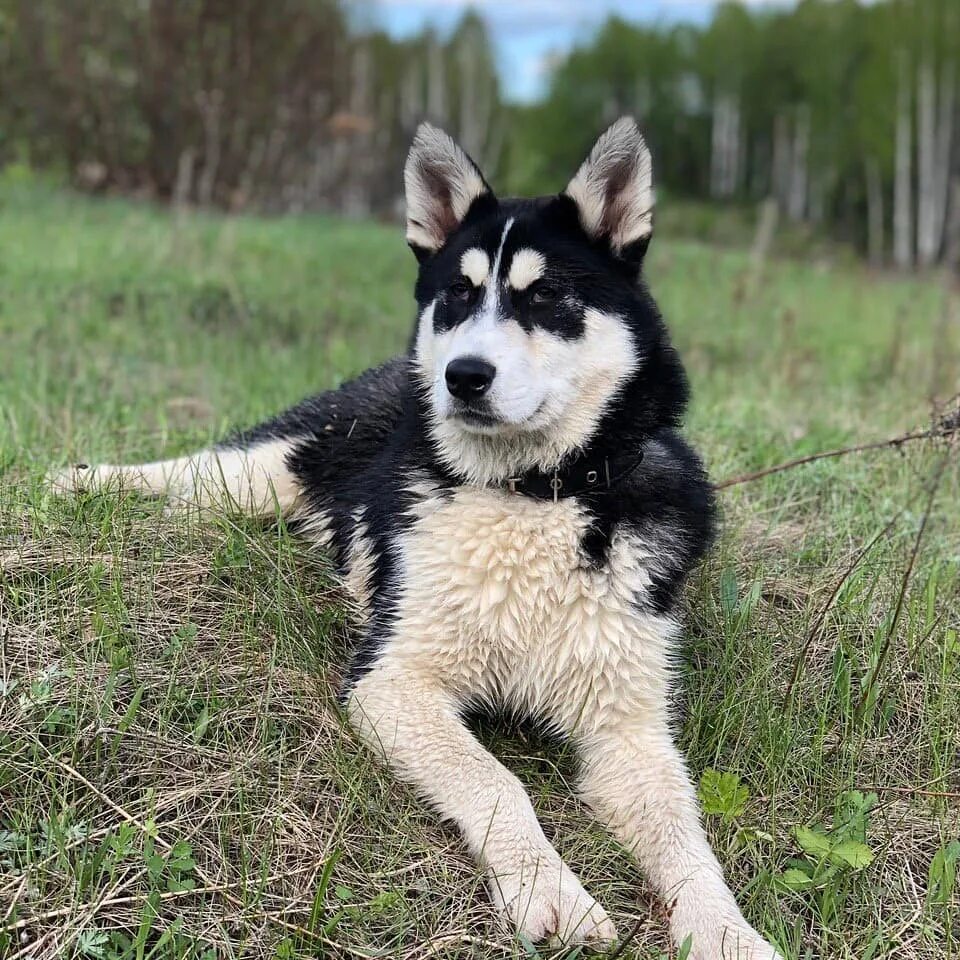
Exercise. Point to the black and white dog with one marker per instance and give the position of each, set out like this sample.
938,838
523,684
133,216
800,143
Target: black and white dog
515,513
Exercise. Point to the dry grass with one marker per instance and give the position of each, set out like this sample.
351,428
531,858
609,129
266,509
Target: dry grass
175,777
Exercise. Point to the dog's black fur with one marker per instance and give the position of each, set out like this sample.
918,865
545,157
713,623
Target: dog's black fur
361,443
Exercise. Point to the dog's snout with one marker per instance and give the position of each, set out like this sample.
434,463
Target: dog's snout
469,378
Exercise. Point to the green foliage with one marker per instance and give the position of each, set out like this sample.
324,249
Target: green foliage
831,855
722,795
281,106
831,65
942,878
172,869
93,943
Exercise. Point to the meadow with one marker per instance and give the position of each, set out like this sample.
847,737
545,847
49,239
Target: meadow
176,780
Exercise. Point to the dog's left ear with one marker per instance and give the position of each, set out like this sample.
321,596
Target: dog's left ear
613,191
441,183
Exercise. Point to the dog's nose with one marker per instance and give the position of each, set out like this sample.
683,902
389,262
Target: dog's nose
469,378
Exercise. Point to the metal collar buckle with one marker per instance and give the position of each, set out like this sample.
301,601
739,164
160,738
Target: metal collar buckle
555,485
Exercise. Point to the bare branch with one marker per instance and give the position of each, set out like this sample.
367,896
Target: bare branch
947,426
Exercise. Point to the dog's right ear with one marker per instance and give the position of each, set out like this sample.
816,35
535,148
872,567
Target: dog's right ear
441,184
613,191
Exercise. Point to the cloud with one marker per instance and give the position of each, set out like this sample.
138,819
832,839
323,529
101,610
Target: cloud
527,33
565,9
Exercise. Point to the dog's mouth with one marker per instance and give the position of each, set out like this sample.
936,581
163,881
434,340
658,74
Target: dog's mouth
477,418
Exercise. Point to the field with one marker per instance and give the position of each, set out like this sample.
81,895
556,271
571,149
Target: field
175,778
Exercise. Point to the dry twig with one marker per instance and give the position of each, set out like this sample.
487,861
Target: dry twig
946,426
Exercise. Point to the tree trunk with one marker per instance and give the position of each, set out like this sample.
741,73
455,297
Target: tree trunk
356,200
210,106
716,148
944,151
927,241
184,183
797,197
951,257
476,100
762,240
410,108
469,127
780,174
725,146
903,186
874,211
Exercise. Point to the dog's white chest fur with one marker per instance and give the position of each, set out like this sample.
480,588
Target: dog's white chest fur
498,603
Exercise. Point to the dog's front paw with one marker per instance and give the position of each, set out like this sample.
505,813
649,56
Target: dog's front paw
545,902
726,940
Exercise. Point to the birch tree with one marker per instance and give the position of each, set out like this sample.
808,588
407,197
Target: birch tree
903,184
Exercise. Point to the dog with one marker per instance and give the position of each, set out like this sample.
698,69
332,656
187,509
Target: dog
515,513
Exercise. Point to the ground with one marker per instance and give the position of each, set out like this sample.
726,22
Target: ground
175,778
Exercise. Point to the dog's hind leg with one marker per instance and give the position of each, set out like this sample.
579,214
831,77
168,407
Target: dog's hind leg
255,479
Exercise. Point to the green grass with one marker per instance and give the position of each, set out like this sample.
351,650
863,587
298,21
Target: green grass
175,780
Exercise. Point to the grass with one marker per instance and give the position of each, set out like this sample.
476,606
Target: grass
175,780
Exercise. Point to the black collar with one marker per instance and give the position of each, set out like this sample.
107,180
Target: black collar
597,475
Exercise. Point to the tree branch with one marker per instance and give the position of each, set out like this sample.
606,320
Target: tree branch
946,426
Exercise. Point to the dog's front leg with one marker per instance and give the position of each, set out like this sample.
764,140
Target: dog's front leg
636,781
416,727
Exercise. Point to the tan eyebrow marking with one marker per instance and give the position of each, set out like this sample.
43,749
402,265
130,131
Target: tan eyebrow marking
527,266
475,265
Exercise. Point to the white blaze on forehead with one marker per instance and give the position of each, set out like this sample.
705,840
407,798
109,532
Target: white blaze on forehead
503,240
527,267
475,265
489,309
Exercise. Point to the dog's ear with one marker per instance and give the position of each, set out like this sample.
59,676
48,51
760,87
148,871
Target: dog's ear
441,184
613,191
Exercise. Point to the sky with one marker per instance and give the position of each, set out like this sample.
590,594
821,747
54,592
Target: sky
527,33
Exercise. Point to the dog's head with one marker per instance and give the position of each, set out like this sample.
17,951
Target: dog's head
532,322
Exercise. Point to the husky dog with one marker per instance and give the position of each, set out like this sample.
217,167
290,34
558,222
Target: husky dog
515,513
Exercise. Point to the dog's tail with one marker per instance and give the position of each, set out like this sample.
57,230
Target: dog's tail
255,480
335,432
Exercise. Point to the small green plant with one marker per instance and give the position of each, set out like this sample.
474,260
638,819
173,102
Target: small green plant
11,843
58,833
832,855
107,859
171,871
286,949
182,637
93,943
40,689
723,795
942,877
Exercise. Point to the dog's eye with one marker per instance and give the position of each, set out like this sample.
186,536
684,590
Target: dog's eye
461,289
545,293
